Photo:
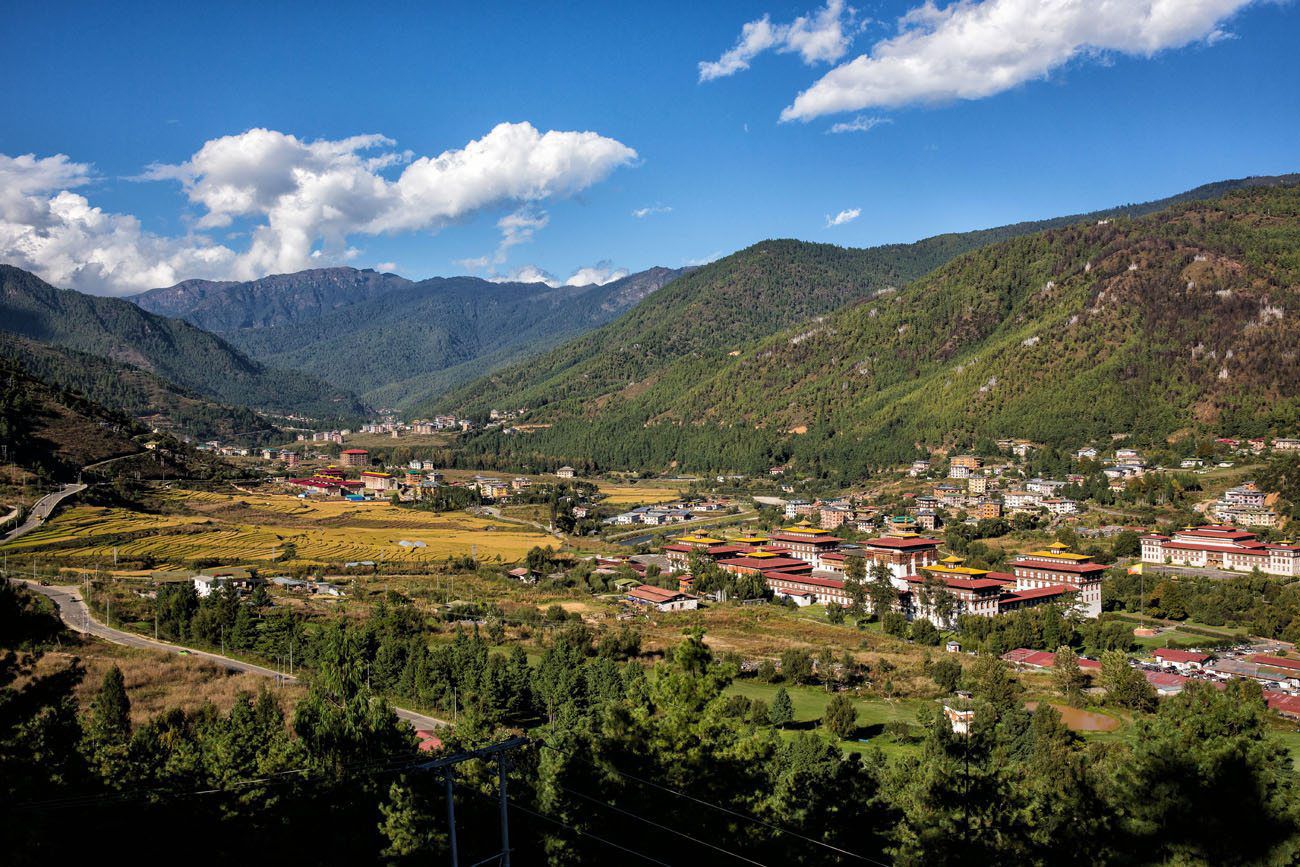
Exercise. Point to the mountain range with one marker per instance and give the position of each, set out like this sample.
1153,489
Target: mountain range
784,350
1116,322
398,343
195,361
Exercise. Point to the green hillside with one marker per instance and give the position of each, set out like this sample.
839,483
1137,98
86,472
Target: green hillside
147,397
676,334
172,349
1147,326
410,344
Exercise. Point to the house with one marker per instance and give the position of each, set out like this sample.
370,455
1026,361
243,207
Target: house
1044,659
1129,456
1246,494
1286,444
918,468
523,574
661,599
977,485
566,472
1166,683
1060,506
1183,660
1020,500
355,458
1087,453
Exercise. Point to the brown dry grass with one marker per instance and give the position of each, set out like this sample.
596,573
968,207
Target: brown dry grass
157,681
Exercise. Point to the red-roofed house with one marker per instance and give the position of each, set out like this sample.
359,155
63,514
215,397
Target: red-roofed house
661,599
1044,659
1183,660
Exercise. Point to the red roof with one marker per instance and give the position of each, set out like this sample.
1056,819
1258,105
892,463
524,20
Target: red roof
1044,659
802,539
1285,704
1039,592
1275,661
767,564
650,593
961,583
1253,550
1004,577
1170,654
885,542
1165,679
808,580
355,452
1050,565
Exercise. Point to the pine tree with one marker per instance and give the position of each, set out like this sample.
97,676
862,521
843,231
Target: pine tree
1067,676
841,716
781,713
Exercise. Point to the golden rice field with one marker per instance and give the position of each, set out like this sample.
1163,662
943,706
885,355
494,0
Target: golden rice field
253,527
636,495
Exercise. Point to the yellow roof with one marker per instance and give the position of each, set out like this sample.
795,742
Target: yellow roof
805,528
1059,544
700,540
751,540
958,571
903,534
1060,555
764,554
952,558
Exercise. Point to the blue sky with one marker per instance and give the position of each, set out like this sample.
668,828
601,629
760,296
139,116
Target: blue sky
1116,101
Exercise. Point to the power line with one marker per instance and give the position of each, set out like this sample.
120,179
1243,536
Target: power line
670,830
520,807
717,807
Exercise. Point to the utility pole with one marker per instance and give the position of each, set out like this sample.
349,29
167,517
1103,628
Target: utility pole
447,766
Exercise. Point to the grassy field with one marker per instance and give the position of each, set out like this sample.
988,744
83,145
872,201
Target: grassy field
810,704
157,681
242,527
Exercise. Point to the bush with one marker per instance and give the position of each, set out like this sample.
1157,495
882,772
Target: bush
841,717
894,623
925,632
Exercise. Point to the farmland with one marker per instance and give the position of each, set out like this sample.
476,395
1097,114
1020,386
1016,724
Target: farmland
242,527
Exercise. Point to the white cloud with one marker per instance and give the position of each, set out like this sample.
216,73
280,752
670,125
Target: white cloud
971,50
301,198
819,37
861,123
848,215
703,260
526,274
599,274
649,210
386,266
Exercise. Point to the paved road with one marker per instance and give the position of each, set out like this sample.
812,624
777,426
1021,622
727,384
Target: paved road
44,507
73,611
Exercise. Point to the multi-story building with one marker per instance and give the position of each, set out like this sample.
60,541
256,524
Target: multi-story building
1020,499
1222,546
1246,494
1058,567
902,553
355,458
977,485
376,480
806,541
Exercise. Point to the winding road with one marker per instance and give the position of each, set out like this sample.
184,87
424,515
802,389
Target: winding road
44,507
76,615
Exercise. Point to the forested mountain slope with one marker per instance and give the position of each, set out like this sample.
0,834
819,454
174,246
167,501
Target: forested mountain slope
406,345
1146,326
149,398
677,334
172,349
280,299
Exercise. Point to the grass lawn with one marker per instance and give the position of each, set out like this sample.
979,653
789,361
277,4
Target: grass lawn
810,704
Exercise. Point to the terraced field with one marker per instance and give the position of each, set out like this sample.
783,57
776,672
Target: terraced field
243,527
